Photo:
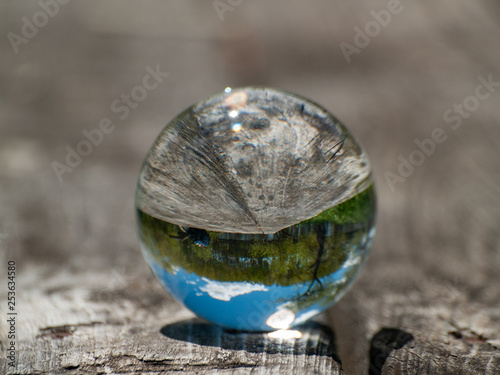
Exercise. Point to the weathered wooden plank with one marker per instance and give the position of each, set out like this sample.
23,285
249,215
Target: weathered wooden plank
87,329
427,301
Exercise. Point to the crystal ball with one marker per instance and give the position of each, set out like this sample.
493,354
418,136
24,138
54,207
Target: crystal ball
256,209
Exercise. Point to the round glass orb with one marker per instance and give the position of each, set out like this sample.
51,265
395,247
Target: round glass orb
256,209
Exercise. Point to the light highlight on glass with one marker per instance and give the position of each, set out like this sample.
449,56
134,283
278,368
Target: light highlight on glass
285,334
281,319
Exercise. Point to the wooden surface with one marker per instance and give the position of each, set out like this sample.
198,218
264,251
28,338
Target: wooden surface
428,299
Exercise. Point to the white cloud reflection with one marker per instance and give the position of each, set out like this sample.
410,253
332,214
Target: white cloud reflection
224,291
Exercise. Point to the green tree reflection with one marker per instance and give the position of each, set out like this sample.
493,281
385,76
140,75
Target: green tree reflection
303,253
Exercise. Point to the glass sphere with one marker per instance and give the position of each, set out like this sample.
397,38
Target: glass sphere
256,209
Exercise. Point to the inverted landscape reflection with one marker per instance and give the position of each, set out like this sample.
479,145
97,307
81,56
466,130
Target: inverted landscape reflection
262,282
256,208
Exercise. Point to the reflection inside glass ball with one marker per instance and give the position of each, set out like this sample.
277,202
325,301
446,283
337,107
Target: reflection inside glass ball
256,209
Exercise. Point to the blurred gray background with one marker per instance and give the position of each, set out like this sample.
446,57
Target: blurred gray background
435,264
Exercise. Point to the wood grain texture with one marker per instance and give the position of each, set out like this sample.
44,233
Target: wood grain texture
290,162
428,300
